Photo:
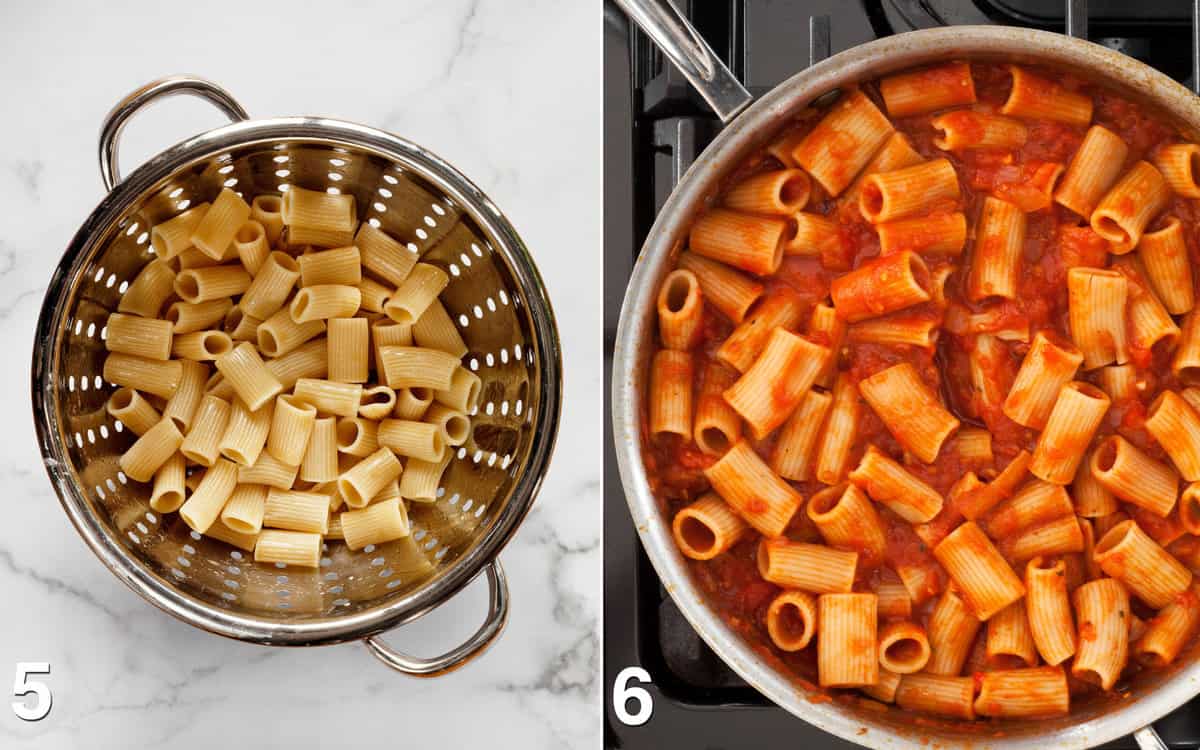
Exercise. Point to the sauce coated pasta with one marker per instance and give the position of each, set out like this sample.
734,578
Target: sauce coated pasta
924,408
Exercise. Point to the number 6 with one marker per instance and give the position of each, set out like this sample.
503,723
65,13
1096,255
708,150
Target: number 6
22,686
623,693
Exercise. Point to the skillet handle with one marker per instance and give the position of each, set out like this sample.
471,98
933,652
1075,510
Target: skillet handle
459,656
114,121
1148,739
679,41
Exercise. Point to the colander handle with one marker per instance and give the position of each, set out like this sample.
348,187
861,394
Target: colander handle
497,616
114,121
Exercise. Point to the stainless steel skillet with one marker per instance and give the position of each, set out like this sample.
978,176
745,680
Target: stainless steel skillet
750,125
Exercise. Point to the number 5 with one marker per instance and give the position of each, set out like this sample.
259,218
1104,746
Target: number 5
623,693
22,686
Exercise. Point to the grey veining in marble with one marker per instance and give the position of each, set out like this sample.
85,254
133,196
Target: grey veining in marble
508,91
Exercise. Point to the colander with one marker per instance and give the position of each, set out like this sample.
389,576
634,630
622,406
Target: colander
495,295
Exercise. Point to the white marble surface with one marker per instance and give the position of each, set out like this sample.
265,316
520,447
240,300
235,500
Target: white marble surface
506,90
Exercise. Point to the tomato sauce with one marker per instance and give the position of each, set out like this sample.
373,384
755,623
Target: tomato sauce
1056,240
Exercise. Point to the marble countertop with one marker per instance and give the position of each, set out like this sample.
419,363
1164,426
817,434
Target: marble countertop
508,92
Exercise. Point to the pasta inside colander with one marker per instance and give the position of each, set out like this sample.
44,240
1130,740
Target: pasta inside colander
484,301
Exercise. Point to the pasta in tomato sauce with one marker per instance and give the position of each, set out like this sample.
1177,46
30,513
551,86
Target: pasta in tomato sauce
936,393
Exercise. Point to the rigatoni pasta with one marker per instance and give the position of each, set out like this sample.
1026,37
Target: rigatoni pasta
1014,487
233,393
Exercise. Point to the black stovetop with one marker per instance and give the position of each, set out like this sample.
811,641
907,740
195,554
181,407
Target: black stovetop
654,127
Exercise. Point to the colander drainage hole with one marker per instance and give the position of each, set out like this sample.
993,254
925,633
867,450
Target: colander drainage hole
281,579
386,573
236,555
183,561
233,570
394,583
336,589
326,562
232,583
341,602
377,562
229,596
369,549
331,576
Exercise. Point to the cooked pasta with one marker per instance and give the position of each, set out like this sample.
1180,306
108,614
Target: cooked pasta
993,442
268,398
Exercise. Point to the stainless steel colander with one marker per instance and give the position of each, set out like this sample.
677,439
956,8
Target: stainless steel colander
495,295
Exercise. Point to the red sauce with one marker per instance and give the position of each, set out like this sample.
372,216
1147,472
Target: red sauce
1056,240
